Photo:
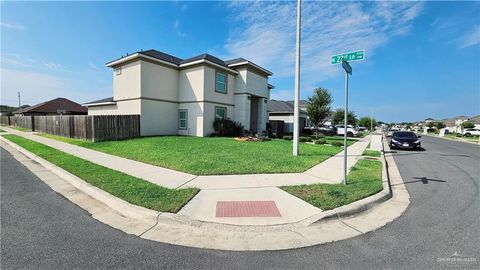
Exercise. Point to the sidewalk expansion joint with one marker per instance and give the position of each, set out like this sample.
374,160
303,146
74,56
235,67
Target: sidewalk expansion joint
156,223
350,226
188,181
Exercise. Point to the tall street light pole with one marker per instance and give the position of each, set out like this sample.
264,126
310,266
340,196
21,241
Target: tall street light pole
296,128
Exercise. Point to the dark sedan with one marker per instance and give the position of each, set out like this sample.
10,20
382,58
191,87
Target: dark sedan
405,140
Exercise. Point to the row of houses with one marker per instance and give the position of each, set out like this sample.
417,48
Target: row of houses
453,125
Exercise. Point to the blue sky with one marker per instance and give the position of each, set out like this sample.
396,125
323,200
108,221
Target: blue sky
422,58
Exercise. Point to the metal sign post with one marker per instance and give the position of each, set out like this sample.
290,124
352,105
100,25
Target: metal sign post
348,70
337,59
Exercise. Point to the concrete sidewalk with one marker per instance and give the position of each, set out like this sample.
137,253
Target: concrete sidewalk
202,232
329,171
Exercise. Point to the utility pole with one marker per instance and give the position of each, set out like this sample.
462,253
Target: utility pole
19,104
296,128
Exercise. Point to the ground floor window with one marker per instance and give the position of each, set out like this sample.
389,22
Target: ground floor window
220,112
182,119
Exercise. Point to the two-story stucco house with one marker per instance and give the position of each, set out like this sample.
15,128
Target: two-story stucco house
184,96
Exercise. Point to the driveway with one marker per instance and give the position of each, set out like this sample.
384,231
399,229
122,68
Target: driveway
440,229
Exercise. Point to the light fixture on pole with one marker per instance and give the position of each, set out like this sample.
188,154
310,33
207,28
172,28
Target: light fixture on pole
296,128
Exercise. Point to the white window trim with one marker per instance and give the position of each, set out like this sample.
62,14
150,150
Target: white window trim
223,108
186,119
224,83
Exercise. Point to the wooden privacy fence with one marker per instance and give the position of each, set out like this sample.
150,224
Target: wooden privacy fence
86,127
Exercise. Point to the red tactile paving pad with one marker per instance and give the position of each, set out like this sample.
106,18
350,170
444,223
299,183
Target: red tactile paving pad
247,209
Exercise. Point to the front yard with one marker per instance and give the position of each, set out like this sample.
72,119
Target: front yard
131,189
364,179
207,156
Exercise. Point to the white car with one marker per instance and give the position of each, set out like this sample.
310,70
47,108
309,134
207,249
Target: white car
471,132
350,130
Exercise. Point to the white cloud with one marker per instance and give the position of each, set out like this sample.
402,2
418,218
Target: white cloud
12,26
92,66
18,60
470,39
36,87
264,32
176,26
282,94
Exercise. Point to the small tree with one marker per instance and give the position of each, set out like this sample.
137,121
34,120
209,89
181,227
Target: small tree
430,125
440,125
468,124
318,107
367,122
338,117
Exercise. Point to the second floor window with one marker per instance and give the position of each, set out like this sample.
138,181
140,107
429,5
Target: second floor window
220,82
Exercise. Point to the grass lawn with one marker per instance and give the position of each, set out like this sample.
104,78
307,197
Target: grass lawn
21,129
207,156
331,139
1,130
126,187
364,179
371,153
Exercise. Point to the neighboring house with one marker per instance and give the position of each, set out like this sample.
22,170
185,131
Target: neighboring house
475,120
279,110
6,110
58,106
175,96
429,120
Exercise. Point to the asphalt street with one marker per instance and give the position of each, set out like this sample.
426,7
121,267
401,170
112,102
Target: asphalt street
440,229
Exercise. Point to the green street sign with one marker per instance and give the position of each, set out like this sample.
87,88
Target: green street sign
350,56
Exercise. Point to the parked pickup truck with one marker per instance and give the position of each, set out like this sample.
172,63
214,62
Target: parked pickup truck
350,130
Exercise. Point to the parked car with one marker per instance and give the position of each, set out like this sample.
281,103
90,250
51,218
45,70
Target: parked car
391,131
350,130
327,130
405,140
471,132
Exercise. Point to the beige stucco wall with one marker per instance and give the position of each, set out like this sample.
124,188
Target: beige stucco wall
127,84
158,118
241,81
242,110
257,85
191,84
194,119
159,82
122,107
209,116
210,93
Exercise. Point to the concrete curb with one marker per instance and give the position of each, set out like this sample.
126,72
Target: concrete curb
113,202
181,230
455,140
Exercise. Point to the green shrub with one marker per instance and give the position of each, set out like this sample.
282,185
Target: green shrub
304,139
288,138
337,143
320,141
320,135
227,127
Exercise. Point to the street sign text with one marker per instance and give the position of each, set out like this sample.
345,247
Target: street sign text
350,56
